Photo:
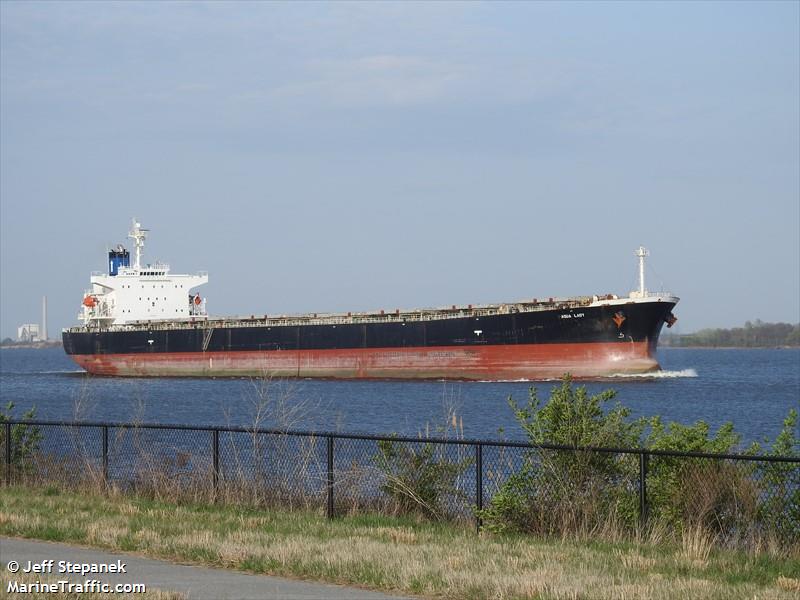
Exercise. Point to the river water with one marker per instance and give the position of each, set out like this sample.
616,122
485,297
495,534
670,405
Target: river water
755,389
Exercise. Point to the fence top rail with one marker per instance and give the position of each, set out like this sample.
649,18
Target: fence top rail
405,439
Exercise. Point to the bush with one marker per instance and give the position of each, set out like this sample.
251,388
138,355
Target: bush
715,495
25,439
779,509
567,491
419,479
732,499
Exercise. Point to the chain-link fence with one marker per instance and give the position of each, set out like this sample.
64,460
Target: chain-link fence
543,489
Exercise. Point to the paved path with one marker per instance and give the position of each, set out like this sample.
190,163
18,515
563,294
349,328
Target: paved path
197,582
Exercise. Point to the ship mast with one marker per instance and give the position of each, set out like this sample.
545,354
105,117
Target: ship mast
641,253
138,235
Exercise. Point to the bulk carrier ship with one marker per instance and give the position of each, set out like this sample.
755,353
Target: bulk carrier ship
142,320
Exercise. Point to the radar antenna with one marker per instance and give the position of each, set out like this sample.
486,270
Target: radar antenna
138,235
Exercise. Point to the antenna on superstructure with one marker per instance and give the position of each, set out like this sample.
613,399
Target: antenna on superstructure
641,253
138,235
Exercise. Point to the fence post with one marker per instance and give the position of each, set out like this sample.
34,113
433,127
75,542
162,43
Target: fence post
643,460
8,453
478,486
330,478
215,459
105,455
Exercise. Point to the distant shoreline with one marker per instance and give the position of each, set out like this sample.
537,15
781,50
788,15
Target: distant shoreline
32,345
669,347
756,334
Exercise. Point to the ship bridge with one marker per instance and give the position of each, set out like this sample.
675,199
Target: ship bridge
140,292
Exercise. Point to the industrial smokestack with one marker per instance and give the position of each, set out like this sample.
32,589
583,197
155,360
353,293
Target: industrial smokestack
44,318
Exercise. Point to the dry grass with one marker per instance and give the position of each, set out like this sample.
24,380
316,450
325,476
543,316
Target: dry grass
696,545
395,554
789,583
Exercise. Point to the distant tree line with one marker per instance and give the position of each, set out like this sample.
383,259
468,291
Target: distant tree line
753,335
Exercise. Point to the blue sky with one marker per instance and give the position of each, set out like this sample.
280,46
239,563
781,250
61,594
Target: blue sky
349,156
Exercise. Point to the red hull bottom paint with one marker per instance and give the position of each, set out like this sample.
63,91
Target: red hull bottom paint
494,363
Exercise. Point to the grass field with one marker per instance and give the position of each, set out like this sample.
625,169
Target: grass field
400,555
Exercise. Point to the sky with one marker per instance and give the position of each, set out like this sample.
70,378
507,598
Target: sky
354,156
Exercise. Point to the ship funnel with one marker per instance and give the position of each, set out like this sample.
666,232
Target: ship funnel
118,258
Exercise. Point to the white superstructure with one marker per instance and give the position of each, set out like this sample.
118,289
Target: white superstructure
141,292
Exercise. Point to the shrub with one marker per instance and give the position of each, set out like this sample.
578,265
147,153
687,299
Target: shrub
567,491
733,499
419,479
712,494
25,439
779,509
583,491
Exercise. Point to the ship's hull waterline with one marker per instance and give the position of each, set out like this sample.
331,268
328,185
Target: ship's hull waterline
491,363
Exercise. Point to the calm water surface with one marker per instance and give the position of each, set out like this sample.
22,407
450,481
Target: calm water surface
753,388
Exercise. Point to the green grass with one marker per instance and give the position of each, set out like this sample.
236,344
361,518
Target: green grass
393,554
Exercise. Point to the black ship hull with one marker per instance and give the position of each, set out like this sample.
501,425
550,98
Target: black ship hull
586,341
